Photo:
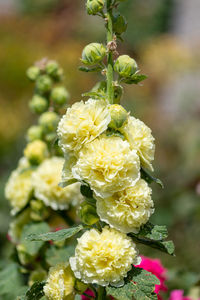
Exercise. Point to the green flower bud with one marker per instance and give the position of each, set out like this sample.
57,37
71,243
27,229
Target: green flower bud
23,256
39,211
118,91
36,152
125,66
59,95
80,287
93,53
44,84
119,24
33,73
49,121
94,6
50,137
88,214
34,133
118,116
53,70
38,104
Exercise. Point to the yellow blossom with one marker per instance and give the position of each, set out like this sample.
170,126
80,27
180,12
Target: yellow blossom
82,123
60,283
45,182
108,165
19,188
127,210
36,151
104,257
140,138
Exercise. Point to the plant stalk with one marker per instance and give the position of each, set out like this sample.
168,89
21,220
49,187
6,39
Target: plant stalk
110,90
101,293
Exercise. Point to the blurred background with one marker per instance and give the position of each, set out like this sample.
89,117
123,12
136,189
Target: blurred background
164,38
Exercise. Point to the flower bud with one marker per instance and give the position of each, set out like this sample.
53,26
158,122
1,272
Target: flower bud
43,84
118,116
38,104
94,6
49,121
59,95
53,70
119,24
118,91
125,66
36,152
80,287
23,256
34,133
39,211
88,214
33,73
93,53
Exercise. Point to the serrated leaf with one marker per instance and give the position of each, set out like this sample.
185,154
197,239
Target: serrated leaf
135,79
57,236
35,292
32,248
139,285
148,178
89,70
56,255
153,232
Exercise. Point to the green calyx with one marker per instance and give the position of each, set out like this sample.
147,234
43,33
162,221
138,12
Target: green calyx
38,104
93,54
60,95
53,70
88,214
35,132
94,6
125,66
118,116
49,121
33,73
44,84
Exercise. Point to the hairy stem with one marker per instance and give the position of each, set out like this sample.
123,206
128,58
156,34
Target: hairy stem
110,90
101,293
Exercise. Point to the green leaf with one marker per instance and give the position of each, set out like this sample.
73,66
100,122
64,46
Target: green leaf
148,178
35,292
94,95
89,70
135,79
77,297
139,285
112,132
153,232
11,282
56,255
55,236
32,248
86,191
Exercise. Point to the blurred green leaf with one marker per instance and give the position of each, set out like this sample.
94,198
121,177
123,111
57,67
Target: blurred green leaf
148,178
56,255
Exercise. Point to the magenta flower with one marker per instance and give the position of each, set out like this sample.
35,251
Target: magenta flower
178,295
155,267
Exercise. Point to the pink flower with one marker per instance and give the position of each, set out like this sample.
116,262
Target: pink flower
178,295
155,267
89,293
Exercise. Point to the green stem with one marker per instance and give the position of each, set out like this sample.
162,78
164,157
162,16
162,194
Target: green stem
101,293
110,90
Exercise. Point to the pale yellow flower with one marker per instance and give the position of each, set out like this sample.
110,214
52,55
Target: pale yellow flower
82,123
140,138
36,151
19,188
108,165
104,257
129,209
60,283
45,182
